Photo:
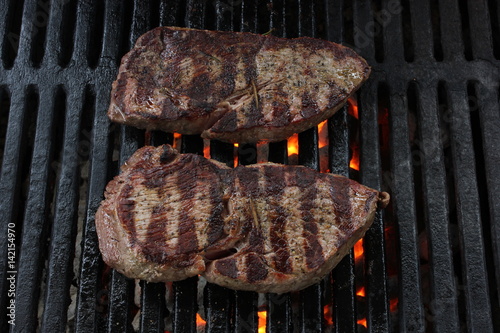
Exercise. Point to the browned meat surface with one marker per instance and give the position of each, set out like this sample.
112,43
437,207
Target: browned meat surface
232,86
265,227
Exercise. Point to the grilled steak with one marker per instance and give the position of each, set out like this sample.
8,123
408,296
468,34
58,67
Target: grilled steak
231,86
265,227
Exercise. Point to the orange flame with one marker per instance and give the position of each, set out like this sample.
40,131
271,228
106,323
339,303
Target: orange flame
362,322
322,134
293,145
236,154
200,323
327,315
177,141
361,292
354,162
353,107
358,249
262,321
206,148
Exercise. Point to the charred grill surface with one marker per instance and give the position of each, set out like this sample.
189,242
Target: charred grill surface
236,87
265,227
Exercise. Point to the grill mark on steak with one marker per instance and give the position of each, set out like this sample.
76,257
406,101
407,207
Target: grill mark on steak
275,186
312,248
227,267
257,270
186,185
154,245
250,182
126,212
309,106
215,221
281,107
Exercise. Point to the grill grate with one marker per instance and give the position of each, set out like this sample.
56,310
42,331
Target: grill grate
428,131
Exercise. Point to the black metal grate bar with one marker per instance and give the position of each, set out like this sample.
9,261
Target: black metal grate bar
362,34
421,30
63,234
468,215
411,311
390,21
489,116
36,222
451,37
444,310
12,164
92,297
480,29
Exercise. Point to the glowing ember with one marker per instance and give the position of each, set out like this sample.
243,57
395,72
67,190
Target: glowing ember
293,145
200,323
354,162
235,154
362,322
262,321
177,141
206,148
393,304
361,292
358,249
327,314
322,134
353,107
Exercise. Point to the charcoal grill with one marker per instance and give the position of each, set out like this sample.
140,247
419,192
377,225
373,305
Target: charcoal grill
428,132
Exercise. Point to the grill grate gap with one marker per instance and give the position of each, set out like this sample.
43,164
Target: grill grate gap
13,20
375,30
475,109
436,30
494,10
466,37
67,33
4,119
32,100
154,13
40,22
390,226
95,33
127,10
445,117
348,31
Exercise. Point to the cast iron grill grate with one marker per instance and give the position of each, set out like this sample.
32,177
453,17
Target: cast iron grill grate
428,132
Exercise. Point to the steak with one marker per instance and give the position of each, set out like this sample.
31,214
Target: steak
265,227
232,86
